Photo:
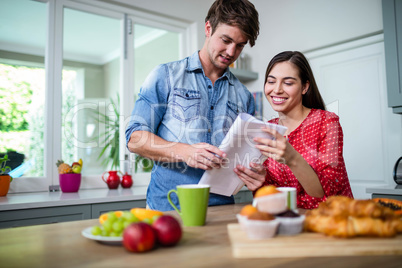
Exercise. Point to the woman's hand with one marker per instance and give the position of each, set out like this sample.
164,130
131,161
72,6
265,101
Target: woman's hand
279,149
254,177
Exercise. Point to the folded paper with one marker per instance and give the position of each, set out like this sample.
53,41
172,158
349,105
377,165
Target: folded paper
239,147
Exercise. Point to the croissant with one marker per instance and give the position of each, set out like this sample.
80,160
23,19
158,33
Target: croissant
353,226
345,217
345,206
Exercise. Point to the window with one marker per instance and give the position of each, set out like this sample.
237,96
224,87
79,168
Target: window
22,88
63,65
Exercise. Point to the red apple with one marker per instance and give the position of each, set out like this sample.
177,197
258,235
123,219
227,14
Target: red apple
168,230
139,237
75,163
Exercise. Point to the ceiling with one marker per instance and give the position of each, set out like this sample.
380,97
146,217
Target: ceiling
87,37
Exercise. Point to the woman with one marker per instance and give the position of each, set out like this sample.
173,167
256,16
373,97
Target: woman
309,155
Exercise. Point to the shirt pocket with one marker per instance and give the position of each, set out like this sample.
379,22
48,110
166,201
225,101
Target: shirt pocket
186,104
232,111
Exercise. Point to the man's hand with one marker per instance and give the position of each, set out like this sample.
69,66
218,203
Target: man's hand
203,155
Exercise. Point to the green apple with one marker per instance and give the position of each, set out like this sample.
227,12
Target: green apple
77,169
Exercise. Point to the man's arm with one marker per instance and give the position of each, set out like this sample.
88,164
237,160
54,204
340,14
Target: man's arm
201,155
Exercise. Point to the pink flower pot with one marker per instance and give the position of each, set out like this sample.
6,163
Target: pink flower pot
70,183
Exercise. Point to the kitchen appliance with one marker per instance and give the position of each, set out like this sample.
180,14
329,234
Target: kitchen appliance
398,171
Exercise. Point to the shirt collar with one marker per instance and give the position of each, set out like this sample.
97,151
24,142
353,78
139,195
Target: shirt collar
194,64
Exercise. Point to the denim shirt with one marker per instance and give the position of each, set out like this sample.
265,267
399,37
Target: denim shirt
178,103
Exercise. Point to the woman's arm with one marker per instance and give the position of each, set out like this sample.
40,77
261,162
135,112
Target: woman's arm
282,151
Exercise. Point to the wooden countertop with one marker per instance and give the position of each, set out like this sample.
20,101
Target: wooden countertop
62,245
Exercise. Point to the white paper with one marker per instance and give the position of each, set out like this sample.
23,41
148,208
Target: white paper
239,147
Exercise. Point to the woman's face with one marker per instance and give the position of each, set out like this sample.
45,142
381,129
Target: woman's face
284,88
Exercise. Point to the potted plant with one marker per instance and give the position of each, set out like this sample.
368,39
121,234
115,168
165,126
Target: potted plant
110,139
5,178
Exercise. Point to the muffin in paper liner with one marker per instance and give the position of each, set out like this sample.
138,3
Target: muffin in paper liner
258,229
290,225
273,203
241,219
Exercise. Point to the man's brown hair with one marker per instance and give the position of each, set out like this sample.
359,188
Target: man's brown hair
240,13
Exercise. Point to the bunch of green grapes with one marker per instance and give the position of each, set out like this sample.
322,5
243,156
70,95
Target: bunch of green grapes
114,226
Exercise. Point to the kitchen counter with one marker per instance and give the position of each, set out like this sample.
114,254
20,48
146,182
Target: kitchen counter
387,191
82,197
62,245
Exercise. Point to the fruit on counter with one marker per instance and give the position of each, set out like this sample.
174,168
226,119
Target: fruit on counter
113,223
143,213
266,190
168,230
111,215
63,168
76,169
139,237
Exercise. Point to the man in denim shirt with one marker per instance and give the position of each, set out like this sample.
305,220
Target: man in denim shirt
186,107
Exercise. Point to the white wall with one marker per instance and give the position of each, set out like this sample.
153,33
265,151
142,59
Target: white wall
303,25
306,25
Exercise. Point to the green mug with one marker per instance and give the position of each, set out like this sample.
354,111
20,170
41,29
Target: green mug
193,200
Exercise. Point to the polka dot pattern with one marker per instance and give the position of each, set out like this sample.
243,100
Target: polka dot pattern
319,139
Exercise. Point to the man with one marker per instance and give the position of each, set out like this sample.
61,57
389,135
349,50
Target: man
186,107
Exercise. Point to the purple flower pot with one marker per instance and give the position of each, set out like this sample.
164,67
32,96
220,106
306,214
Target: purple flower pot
70,183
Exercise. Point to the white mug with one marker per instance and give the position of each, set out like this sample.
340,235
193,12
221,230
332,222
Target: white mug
291,199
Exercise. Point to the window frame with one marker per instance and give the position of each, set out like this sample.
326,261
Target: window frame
53,91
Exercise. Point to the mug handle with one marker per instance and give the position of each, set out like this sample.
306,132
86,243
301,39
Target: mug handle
170,201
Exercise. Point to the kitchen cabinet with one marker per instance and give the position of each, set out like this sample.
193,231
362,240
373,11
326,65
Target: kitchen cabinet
46,215
34,216
52,207
244,196
392,23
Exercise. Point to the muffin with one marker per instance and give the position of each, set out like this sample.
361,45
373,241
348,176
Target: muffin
290,223
269,199
260,225
246,211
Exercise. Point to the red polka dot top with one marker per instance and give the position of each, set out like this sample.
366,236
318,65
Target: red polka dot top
319,139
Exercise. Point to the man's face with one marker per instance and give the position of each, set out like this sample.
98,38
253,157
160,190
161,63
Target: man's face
225,45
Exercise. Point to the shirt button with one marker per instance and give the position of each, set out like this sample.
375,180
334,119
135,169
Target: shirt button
212,107
209,86
209,130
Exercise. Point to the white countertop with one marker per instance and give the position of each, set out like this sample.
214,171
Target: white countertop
54,199
386,189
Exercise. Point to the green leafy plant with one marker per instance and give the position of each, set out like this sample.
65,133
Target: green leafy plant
3,168
110,137
142,163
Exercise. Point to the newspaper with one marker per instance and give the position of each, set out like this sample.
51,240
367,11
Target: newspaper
239,147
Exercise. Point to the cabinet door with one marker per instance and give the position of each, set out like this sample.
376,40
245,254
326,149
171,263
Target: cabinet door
392,20
34,216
